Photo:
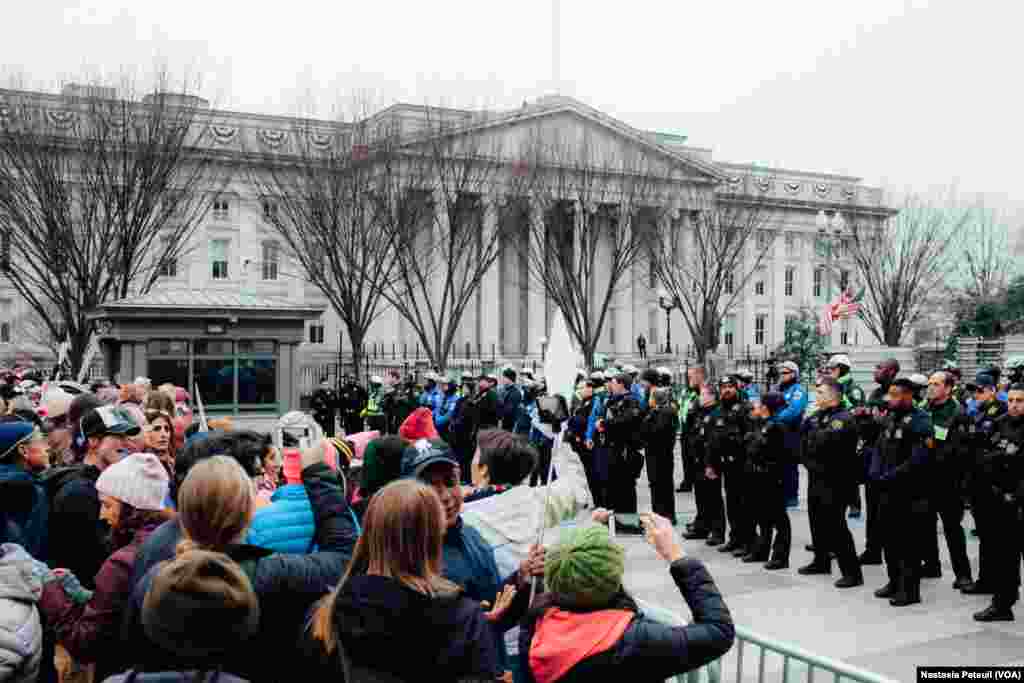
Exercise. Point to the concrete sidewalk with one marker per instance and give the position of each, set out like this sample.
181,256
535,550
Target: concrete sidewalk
850,625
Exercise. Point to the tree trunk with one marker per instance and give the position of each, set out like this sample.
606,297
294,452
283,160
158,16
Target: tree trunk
358,336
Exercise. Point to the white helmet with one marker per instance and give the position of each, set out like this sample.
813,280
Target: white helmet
840,359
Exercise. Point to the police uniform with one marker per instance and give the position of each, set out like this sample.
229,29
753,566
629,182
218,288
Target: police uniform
1003,466
950,424
766,456
730,422
984,503
324,404
901,460
707,493
868,429
830,456
351,400
689,406
622,425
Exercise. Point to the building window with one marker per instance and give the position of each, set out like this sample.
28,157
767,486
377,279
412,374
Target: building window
760,322
271,256
844,338
221,209
791,244
729,331
219,259
168,266
233,376
790,278
844,280
764,240
759,286
316,334
819,277
847,247
729,284
269,210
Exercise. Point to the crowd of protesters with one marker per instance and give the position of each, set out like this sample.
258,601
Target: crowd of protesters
139,542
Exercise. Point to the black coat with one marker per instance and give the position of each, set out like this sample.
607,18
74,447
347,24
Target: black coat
508,401
725,433
660,427
441,638
902,462
78,537
830,451
286,585
651,651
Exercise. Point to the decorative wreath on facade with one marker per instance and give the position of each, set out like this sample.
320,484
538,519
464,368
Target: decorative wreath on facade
792,188
271,138
849,193
764,184
822,189
223,135
61,119
320,141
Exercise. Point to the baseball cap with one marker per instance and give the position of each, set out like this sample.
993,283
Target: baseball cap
425,453
905,382
727,380
109,420
984,380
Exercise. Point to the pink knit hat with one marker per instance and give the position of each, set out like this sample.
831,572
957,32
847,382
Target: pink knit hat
139,480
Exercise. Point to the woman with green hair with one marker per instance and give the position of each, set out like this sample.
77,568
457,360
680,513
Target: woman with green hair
586,627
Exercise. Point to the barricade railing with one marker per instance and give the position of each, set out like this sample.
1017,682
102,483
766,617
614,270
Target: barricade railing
798,665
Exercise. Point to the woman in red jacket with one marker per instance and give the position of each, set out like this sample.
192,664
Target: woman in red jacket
87,624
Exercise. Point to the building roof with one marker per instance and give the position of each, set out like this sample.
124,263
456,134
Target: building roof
207,301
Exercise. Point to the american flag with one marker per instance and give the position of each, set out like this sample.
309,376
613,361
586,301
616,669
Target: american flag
842,308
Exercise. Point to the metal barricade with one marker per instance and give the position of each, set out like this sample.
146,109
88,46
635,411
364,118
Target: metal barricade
798,665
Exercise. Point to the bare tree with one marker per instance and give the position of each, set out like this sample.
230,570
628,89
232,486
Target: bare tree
903,260
586,226
99,191
446,178
327,198
707,254
986,266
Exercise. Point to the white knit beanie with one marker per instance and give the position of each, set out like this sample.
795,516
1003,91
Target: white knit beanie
139,480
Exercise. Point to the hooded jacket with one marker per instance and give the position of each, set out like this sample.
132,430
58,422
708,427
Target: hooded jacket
24,510
78,537
570,646
441,638
21,632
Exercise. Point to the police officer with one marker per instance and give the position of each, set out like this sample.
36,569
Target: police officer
766,455
324,403
447,407
1004,468
352,400
869,423
949,422
900,468
839,369
745,381
984,502
621,425
689,407
792,416
710,522
730,424
830,456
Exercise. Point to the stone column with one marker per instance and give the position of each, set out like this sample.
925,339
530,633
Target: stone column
488,299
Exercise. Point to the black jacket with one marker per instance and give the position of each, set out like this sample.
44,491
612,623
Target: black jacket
766,451
1003,460
287,585
830,449
651,651
376,618
725,433
622,422
78,538
508,402
660,427
901,459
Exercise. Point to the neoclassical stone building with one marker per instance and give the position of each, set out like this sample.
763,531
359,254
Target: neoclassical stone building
237,251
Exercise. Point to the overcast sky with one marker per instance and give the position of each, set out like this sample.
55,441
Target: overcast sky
907,94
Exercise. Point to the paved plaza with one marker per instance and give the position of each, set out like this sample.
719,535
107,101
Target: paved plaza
849,625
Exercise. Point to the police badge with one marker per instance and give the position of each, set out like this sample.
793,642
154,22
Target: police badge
1011,449
898,434
837,425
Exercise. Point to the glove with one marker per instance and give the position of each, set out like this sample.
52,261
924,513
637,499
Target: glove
74,589
41,571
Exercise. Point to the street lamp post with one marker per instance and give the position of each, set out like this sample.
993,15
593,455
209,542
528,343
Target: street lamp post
667,303
543,350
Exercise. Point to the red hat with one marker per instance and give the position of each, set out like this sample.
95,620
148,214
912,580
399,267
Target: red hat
419,425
